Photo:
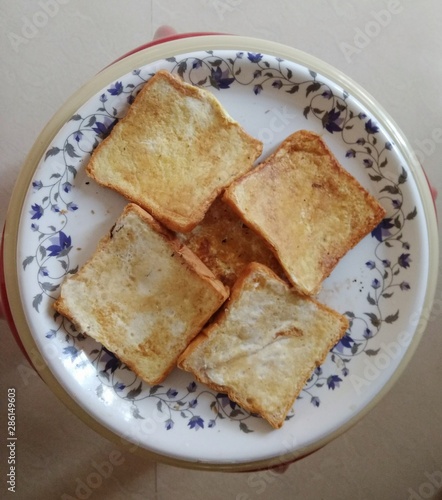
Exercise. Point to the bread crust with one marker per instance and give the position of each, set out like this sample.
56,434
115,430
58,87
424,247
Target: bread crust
174,152
226,245
118,296
199,356
307,207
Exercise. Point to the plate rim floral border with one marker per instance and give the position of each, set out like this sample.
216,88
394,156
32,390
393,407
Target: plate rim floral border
160,52
317,100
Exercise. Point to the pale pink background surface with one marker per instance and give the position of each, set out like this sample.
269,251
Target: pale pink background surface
395,452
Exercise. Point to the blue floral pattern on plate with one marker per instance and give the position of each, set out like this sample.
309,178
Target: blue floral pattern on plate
379,274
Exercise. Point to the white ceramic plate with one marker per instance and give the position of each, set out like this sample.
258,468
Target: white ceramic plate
383,285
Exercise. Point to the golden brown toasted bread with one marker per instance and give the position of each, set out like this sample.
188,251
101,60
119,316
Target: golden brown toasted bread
264,344
226,245
143,295
308,208
174,152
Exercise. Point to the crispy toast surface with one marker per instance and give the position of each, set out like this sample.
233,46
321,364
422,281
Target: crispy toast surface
309,209
264,344
142,294
226,245
173,152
